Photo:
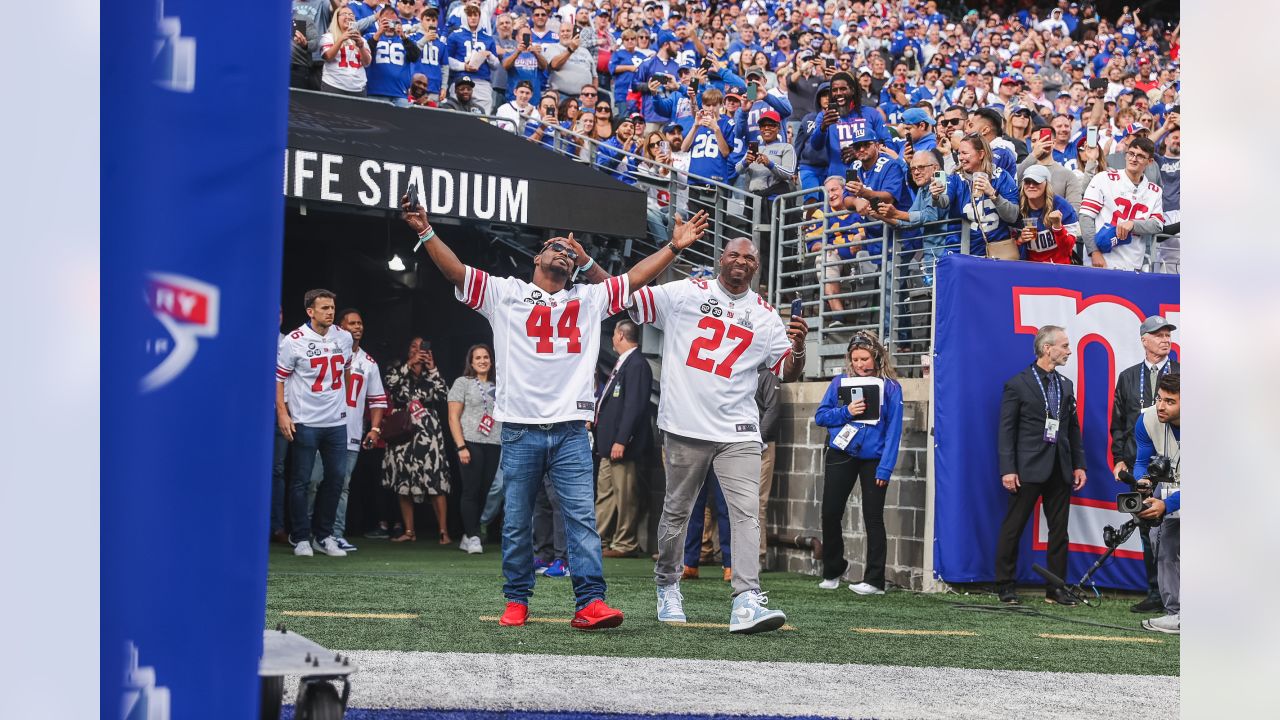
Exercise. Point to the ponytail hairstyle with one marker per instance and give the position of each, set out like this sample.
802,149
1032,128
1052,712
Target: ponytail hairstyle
867,340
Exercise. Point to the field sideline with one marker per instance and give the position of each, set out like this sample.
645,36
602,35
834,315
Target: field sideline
418,619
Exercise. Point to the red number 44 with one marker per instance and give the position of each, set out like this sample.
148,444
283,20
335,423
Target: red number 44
735,333
539,326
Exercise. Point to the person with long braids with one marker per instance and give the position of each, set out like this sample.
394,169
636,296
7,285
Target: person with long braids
844,119
858,452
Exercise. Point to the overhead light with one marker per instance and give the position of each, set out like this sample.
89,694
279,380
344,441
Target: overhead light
395,263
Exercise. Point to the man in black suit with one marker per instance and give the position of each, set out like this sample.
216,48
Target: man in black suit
1135,392
621,438
1041,456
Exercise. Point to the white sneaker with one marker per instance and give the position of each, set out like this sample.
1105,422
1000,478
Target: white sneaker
329,547
342,543
303,549
465,544
865,589
751,616
475,548
670,604
831,584
1171,624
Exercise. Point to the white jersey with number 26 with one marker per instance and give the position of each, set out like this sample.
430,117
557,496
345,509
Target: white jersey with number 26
311,367
1113,198
546,344
712,347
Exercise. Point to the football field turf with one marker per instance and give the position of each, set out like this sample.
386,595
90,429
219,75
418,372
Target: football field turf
425,597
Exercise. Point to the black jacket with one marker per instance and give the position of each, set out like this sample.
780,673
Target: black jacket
624,409
1021,438
1130,397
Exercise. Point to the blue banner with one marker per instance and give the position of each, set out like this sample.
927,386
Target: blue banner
988,312
193,132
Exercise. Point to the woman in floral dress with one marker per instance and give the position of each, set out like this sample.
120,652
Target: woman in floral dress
417,468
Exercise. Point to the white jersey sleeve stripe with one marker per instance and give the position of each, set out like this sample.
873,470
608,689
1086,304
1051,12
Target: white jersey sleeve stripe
777,367
1091,207
617,295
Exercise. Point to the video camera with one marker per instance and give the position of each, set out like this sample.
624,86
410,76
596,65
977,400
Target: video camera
1159,470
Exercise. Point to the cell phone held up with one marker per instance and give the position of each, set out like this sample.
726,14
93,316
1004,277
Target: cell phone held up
412,194
851,175
753,147
753,91
1091,137
797,307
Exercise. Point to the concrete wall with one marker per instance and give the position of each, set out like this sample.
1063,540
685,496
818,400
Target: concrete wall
796,498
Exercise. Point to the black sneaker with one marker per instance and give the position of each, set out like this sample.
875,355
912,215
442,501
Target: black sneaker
1061,597
1149,605
1007,595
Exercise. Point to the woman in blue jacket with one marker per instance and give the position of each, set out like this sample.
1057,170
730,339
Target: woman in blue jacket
869,457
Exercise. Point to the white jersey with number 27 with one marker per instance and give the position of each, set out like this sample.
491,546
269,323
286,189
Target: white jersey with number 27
311,367
546,344
713,345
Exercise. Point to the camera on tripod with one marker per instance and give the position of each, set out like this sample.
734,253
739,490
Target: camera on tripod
1159,470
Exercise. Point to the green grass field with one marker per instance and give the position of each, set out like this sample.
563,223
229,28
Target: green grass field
450,591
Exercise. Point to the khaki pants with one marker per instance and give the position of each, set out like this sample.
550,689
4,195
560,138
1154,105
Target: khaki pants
617,506
766,484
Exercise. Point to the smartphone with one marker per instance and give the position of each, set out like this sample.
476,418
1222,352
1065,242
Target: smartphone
664,147
707,64
851,175
1091,137
526,41
908,144
1046,133
426,346
1097,83
941,176
797,306
300,26
753,147
753,91
829,63
694,84
412,193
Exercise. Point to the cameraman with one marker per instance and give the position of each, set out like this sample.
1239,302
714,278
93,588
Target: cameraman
1136,391
1158,435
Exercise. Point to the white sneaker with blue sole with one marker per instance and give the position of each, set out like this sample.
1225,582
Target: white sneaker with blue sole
750,614
670,604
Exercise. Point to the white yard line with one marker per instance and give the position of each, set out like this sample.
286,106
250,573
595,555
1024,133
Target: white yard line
653,685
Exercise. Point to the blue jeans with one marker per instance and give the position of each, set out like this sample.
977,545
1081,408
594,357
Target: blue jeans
693,539
563,451
340,516
278,452
331,443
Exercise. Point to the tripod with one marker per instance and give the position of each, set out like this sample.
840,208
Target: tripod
1113,538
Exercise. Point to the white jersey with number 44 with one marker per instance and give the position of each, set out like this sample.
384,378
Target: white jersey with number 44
713,345
311,367
546,344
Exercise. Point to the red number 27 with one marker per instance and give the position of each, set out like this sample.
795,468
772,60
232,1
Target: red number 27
736,333
539,326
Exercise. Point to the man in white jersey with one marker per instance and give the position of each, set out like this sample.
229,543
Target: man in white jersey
364,387
546,336
716,334
312,366
1121,207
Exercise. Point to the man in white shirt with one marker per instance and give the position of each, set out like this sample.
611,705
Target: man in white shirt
313,366
514,114
1119,208
364,387
546,337
716,334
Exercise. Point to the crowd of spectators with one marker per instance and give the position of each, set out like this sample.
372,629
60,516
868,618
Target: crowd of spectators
853,88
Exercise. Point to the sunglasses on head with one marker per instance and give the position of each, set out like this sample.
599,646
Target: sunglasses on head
560,248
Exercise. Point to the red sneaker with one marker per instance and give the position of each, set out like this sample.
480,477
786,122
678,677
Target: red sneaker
515,614
596,616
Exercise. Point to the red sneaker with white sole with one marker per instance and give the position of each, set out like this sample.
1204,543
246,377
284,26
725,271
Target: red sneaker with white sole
596,616
515,614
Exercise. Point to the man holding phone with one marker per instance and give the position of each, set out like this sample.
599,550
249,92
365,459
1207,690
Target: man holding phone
1062,181
759,101
656,76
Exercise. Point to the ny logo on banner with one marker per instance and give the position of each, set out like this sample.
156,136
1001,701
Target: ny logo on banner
188,310
174,58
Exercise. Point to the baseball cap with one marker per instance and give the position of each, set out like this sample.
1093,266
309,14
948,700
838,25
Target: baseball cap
1020,108
667,36
916,115
672,127
864,70
524,84
465,80
635,117
755,72
1105,239
1038,174
1154,324
771,115
823,88
732,91
1077,63
1011,79
1134,128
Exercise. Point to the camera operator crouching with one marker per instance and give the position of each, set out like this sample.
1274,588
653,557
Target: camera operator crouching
1158,434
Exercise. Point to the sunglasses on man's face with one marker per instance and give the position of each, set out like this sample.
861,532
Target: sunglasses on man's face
603,110
588,94
556,247
948,122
